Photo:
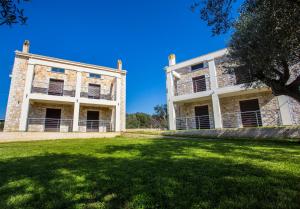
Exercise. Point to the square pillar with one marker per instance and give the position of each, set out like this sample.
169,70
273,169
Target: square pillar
170,103
25,102
76,116
217,111
213,75
284,108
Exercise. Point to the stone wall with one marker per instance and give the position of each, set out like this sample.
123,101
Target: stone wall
184,85
37,114
269,109
294,111
15,99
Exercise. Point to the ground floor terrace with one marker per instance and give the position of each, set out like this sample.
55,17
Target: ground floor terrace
237,111
51,117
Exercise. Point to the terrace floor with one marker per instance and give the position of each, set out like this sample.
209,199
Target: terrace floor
149,173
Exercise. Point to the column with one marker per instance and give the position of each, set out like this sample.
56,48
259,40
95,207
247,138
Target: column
77,103
25,102
118,106
170,103
215,98
285,113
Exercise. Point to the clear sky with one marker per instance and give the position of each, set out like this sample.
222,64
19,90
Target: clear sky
141,33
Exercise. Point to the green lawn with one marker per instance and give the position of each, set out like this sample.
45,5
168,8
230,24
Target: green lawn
150,173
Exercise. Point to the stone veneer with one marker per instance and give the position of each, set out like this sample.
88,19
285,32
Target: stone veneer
184,85
15,99
269,108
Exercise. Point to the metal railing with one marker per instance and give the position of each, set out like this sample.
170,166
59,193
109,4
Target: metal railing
59,90
96,125
228,79
251,119
50,124
192,86
98,94
196,122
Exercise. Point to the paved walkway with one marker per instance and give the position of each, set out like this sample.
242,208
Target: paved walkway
38,136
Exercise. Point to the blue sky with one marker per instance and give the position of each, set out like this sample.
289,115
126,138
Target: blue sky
141,33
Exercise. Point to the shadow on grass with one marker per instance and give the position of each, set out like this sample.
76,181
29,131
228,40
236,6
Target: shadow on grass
160,175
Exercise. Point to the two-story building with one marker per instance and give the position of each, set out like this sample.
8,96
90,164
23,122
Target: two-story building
50,94
203,94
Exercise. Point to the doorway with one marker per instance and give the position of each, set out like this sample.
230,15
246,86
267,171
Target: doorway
199,83
92,123
250,113
202,117
53,119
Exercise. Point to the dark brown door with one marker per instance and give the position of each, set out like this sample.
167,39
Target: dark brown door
202,117
199,83
92,124
56,87
250,113
52,121
94,91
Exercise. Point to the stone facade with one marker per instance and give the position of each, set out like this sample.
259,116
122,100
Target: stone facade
16,93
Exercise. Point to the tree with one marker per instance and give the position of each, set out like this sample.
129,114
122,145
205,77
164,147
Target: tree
161,116
265,40
11,13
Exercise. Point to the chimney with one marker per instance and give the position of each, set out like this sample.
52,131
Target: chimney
172,59
26,46
119,66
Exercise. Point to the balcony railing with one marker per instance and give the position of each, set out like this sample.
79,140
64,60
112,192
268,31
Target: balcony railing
96,125
50,89
97,94
193,86
50,124
196,122
251,119
233,79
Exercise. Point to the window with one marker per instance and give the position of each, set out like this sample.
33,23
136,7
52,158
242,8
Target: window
198,66
56,87
57,70
94,91
93,75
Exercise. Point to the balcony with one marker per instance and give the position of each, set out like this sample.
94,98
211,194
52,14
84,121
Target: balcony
257,118
50,125
96,126
195,85
56,88
96,92
196,122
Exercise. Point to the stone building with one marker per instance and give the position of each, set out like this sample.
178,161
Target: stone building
202,94
50,94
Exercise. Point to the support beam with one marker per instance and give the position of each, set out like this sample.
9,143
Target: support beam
170,103
77,104
213,75
285,113
217,111
25,102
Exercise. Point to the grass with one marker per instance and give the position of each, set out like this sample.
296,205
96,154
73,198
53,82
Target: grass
150,173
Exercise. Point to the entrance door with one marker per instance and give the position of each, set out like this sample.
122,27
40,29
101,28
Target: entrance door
199,83
202,117
92,123
52,121
250,113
